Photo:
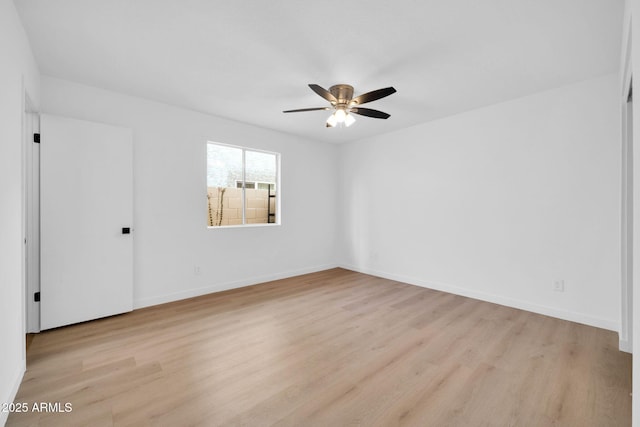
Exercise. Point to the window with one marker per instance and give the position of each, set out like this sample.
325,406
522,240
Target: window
242,186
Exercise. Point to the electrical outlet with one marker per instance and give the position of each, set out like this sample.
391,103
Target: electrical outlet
558,285
196,270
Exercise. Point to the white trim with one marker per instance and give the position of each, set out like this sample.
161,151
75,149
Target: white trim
12,394
278,189
626,190
624,345
626,222
496,299
224,227
24,214
219,287
244,188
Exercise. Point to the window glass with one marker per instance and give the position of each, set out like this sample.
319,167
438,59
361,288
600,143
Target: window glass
260,169
241,186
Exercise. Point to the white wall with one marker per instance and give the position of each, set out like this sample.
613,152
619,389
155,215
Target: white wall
171,236
497,203
18,70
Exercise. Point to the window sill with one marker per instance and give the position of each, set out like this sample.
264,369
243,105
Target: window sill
222,227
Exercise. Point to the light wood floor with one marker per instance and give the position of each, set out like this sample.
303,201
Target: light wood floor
334,348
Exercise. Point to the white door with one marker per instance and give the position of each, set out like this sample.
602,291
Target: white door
32,217
86,204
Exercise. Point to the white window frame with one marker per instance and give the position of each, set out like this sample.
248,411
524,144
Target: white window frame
278,185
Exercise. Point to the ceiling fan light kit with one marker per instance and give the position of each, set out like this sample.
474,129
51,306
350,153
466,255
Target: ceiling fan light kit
344,105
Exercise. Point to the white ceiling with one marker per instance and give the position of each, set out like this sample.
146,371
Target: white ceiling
249,60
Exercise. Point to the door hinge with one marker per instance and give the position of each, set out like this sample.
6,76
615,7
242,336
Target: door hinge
36,138
36,297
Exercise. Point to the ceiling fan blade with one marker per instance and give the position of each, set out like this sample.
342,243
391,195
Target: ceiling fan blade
307,109
373,95
370,113
324,93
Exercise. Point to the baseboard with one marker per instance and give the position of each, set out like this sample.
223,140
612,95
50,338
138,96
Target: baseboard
219,287
625,345
13,392
496,299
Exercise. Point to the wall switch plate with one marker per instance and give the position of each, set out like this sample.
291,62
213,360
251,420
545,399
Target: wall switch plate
558,285
196,270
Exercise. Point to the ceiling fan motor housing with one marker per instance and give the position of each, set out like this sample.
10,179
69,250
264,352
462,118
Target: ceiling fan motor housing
343,93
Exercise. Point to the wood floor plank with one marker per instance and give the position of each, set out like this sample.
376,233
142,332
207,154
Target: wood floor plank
333,348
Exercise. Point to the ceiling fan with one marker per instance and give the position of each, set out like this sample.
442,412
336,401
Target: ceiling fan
344,104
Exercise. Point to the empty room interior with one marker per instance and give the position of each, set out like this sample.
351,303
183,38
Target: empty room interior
202,223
